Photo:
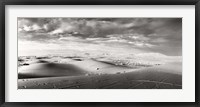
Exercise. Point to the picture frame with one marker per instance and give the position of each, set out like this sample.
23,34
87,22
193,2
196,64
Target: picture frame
98,2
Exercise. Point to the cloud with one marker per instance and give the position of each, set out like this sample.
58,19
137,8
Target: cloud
155,34
39,37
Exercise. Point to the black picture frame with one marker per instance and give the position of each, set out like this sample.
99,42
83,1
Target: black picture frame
3,3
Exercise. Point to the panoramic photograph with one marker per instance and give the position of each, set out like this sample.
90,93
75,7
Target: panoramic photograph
99,53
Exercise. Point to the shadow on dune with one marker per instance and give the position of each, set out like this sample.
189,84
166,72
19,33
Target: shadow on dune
42,61
50,70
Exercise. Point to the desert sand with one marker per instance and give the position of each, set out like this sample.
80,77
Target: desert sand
89,73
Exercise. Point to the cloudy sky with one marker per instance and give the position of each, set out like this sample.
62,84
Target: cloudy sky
129,35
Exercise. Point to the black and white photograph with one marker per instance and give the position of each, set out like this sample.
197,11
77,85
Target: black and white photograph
99,53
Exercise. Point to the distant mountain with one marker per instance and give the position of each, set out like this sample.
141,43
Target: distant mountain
157,57
152,55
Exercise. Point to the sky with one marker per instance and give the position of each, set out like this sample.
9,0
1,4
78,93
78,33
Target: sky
114,35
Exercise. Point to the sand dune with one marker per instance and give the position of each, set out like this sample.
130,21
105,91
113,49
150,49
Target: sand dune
160,77
49,69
